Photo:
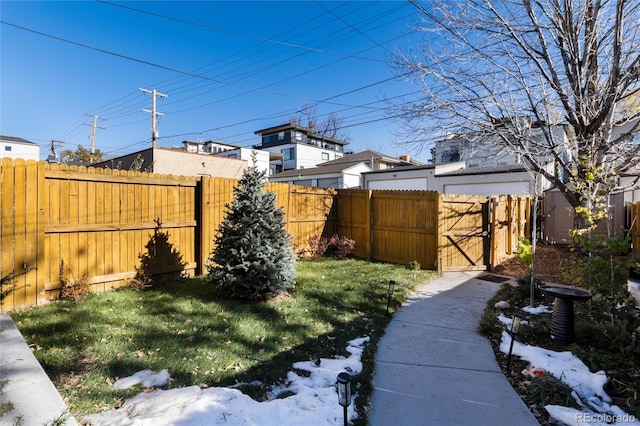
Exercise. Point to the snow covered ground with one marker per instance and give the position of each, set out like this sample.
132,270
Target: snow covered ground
588,387
314,400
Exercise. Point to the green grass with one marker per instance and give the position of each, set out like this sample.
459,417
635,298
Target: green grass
5,406
203,338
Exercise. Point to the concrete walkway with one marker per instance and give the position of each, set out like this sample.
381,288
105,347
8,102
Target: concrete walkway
36,401
433,367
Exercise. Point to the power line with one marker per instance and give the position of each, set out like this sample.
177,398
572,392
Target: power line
340,18
373,19
190,75
142,61
118,106
223,30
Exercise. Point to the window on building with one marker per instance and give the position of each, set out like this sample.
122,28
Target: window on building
451,155
297,136
266,139
288,154
325,156
280,136
7,148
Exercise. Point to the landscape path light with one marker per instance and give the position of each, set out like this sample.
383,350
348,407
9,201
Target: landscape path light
515,328
392,286
344,393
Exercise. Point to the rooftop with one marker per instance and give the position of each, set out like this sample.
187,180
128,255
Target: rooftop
14,139
306,130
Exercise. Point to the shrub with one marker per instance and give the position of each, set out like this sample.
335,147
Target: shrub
72,288
549,390
603,268
525,252
414,265
253,258
140,282
318,246
340,246
343,246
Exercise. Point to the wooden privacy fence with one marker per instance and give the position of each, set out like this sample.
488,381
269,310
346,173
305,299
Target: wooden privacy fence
69,223
101,225
440,231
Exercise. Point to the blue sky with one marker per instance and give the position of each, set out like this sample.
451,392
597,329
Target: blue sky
229,68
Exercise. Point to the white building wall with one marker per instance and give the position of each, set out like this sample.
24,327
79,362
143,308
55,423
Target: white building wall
182,163
488,188
305,156
262,157
348,178
514,183
410,184
19,150
485,152
399,179
310,156
351,180
489,151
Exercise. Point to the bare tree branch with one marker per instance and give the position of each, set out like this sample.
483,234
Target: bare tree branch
331,126
537,66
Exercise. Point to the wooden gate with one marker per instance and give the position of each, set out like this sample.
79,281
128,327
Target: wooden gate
447,232
465,239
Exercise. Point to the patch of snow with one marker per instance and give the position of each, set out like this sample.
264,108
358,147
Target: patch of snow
508,321
315,400
540,309
147,378
634,289
588,387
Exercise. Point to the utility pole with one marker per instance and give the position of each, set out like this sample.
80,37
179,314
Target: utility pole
93,133
154,113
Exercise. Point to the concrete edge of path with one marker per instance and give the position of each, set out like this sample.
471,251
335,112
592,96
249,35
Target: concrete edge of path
35,400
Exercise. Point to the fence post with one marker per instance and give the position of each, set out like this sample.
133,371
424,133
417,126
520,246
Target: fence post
439,226
509,248
494,231
635,226
369,225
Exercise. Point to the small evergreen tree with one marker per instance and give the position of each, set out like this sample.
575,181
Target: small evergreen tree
252,258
